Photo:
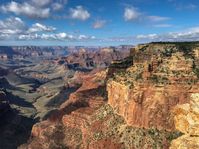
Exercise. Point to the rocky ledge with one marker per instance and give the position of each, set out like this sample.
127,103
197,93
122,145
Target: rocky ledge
187,121
161,77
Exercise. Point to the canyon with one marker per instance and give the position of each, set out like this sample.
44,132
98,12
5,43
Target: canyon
141,102
146,100
33,87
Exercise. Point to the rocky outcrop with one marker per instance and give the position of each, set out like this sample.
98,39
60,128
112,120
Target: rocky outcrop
146,106
187,121
161,77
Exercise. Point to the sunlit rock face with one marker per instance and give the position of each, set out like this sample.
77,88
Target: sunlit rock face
146,106
161,76
187,121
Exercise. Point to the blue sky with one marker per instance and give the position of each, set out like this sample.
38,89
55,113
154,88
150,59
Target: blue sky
97,22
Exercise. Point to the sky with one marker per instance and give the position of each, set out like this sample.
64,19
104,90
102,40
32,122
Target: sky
97,22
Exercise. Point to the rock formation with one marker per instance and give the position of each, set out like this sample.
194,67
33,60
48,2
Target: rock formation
95,59
187,121
145,93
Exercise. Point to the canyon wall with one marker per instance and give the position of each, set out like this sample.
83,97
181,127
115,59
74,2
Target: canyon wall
187,121
145,93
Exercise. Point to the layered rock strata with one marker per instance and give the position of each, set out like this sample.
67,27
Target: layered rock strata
161,77
187,121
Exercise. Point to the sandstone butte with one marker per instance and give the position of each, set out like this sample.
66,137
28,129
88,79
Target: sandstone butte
131,105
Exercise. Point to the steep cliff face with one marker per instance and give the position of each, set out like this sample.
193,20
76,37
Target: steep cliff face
146,106
187,121
145,93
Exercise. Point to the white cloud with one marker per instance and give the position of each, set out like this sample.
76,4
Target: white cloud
12,25
57,6
79,13
37,27
28,37
62,36
41,3
15,28
191,34
26,9
99,24
4,36
158,18
131,14
55,37
149,36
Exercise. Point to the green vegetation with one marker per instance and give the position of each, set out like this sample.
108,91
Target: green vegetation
177,43
127,62
98,136
196,71
159,79
185,47
131,137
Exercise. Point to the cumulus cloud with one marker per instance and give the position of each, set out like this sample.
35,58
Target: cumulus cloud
37,27
99,24
12,25
15,28
79,13
131,14
26,9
